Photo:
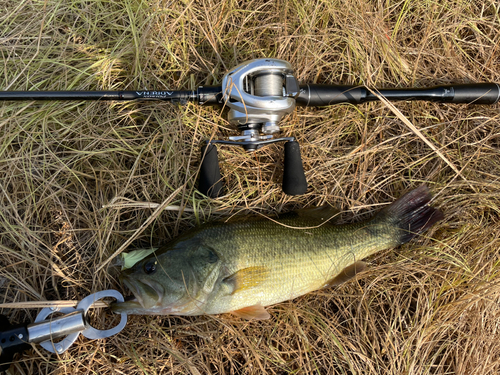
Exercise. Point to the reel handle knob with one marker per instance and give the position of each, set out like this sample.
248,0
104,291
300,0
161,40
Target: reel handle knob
294,179
210,183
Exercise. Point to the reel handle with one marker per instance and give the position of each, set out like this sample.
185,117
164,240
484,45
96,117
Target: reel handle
294,179
210,178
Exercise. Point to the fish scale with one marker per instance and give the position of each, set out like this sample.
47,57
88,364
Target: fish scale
298,262
241,267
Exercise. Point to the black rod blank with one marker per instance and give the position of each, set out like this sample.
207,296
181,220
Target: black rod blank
98,95
310,95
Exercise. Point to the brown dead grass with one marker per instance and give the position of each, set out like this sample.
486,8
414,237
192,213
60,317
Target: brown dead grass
430,307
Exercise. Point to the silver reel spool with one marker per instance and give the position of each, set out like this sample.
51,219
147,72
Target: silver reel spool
259,93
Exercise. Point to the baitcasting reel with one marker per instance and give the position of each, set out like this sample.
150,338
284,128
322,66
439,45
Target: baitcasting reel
259,93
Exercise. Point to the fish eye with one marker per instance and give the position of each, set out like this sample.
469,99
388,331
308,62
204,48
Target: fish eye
150,267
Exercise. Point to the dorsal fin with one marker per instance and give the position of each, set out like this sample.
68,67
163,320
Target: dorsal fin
346,274
257,312
312,215
321,213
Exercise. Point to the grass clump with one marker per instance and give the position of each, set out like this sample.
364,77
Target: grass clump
78,179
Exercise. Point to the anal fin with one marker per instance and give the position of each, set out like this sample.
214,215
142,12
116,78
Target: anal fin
346,274
255,312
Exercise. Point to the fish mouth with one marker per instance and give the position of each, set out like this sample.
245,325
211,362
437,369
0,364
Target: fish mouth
127,307
147,293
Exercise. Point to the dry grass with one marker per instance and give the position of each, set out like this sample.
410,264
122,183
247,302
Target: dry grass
430,307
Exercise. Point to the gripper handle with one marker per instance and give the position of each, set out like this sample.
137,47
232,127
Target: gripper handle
13,339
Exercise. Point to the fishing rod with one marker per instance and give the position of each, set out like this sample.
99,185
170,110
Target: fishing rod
259,93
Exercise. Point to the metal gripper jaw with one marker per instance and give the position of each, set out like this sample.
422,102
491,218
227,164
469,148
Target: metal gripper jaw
258,93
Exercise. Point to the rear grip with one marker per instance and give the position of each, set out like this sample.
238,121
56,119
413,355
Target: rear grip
210,183
478,93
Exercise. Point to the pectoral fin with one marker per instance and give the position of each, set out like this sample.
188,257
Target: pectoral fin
346,274
246,278
257,312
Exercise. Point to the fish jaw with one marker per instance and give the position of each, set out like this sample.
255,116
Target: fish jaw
148,293
128,307
133,307
148,300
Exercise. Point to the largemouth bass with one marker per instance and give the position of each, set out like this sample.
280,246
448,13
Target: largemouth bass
244,266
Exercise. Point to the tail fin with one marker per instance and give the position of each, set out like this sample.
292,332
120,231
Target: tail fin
411,214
